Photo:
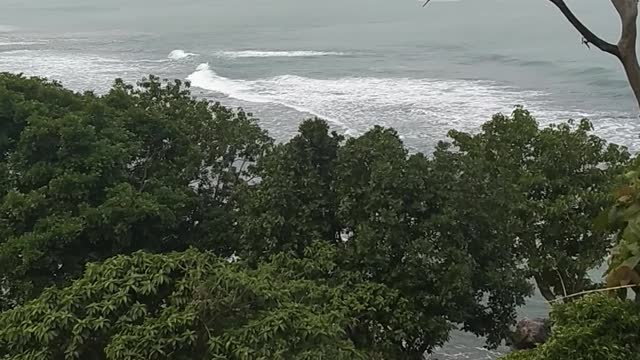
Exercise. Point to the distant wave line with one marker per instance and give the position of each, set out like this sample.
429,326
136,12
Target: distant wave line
21,43
276,53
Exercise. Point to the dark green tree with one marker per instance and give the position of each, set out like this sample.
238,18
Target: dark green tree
558,180
384,210
476,223
409,246
294,203
418,228
87,177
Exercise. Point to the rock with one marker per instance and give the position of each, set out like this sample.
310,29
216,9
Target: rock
531,333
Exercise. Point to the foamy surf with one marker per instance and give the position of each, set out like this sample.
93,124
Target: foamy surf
205,78
76,71
267,54
180,54
422,110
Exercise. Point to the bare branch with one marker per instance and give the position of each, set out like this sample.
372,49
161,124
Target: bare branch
625,50
588,35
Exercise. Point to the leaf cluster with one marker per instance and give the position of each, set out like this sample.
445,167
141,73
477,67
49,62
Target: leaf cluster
592,328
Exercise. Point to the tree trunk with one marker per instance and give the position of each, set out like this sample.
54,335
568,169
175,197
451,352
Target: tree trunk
625,50
628,11
545,290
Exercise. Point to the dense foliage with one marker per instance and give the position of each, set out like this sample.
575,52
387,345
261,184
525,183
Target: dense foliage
395,218
348,248
193,305
624,267
556,181
592,328
87,177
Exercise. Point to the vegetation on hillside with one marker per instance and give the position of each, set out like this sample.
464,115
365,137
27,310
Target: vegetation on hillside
87,177
144,223
593,328
194,305
556,180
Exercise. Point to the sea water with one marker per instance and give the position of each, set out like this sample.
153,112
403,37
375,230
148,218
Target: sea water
355,63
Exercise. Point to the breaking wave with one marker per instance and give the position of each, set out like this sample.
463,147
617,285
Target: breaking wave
422,110
179,55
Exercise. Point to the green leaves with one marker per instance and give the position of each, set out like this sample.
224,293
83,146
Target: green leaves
591,328
624,216
85,177
553,182
293,204
393,217
194,305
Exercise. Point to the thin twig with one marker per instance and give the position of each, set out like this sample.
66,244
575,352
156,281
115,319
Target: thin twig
594,291
564,288
425,4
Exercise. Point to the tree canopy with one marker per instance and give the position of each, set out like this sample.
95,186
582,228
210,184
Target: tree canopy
386,210
194,305
206,239
87,177
556,180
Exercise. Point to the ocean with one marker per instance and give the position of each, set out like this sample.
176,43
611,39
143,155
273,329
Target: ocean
355,63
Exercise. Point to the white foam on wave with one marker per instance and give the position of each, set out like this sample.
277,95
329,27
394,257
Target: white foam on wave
76,71
180,54
205,78
422,110
266,53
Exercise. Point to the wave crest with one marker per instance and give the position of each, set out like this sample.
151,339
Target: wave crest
180,54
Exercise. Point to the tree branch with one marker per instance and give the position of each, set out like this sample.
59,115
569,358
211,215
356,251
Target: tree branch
624,50
588,35
544,288
628,11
